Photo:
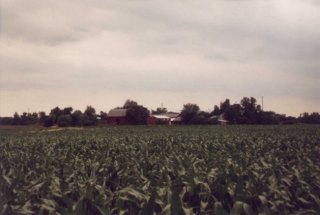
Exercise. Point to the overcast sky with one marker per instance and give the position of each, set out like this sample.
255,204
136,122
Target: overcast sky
100,53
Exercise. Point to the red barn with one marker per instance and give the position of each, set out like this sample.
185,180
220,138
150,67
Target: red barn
118,117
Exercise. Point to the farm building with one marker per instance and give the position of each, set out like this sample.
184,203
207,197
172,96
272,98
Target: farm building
177,120
159,120
172,115
219,119
164,119
117,117
223,121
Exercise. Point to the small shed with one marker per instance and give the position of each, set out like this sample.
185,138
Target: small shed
118,116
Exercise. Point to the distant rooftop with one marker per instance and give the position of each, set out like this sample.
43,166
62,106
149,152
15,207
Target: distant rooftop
117,112
171,115
160,116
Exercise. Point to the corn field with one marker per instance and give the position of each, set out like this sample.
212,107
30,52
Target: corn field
161,170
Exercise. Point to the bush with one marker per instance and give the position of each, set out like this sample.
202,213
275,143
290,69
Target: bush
48,121
64,121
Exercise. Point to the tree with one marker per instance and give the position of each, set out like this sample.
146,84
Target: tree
24,118
250,110
55,113
248,104
42,116
76,118
216,110
16,119
103,115
90,116
138,115
85,121
259,108
290,120
90,111
28,118
233,114
67,110
129,104
268,118
64,120
224,105
201,117
34,118
189,112
160,110
48,121
6,120
312,118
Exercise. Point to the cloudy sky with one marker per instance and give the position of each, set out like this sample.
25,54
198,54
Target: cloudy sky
100,53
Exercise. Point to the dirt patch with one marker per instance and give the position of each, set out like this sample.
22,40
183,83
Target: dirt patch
62,129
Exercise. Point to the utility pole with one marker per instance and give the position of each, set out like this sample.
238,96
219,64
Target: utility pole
262,103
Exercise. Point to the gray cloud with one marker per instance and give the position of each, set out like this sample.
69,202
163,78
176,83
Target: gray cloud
160,49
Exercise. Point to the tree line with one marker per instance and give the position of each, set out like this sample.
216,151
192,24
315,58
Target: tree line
246,112
61,117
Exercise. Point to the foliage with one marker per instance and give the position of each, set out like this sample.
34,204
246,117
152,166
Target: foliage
224,105
129,104
312,118
76,118
103,115
247,112
42,116
55,113
24,119
137,114
48,121
216,110
64,120
189,113
159,110
67,110
90,115
161,170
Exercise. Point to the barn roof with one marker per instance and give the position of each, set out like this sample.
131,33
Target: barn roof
117,113
160,117
172,115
